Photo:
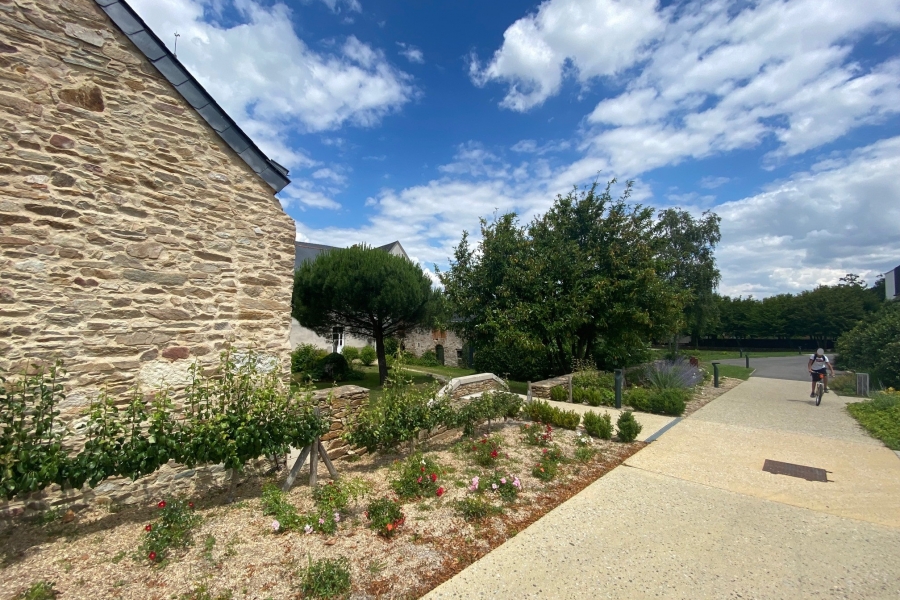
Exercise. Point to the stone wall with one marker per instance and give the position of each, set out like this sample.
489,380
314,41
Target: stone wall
541,389
340,406
132,239
420,340
472,384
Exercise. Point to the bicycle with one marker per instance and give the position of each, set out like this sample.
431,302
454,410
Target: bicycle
820,388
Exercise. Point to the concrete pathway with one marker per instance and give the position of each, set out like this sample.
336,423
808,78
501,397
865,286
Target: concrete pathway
694,516
777,367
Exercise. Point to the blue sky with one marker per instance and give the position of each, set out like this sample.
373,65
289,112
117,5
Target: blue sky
411,120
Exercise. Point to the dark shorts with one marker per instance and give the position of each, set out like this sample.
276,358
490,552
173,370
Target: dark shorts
815,374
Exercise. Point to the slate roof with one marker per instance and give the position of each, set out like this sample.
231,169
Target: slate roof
304,251
134,28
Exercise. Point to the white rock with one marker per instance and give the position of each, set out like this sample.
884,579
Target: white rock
32,265
91,36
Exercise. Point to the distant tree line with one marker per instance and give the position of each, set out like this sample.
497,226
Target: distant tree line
824,313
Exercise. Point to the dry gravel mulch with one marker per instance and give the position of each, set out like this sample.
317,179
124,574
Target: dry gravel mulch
236,555
235,551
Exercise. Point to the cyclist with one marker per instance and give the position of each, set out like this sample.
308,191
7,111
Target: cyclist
817,365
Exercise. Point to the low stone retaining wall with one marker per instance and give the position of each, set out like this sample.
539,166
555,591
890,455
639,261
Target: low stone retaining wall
541,389
472,384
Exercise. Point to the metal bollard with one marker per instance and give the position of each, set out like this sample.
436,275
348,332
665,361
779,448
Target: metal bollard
747,360
619,375
715,374
799,350
741,350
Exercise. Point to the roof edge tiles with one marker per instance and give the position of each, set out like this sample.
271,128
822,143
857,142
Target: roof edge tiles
134,28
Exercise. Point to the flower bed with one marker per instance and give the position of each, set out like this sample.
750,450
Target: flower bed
456,513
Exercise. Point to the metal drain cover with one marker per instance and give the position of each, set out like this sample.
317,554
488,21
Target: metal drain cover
807,473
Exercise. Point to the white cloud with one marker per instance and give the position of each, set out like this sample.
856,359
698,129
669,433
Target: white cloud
335,5
726,76
596,37
711,183
286,86
816,226
411,53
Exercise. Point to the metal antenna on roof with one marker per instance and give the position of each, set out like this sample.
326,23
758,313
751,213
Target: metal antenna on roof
175,52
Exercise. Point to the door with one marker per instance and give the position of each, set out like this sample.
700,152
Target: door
439,351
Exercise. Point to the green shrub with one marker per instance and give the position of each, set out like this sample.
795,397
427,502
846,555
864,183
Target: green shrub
275,504
385,516
334,367
391,346
542,412
597,425
567,419
351,353
593,380
416,477
880,416
627,429
428,359
594,396
305,359
637,398
326,578
669,401
475,508
537,434
398,415
173,528
485,451
560,394
41,590
368,355
487,407
873,347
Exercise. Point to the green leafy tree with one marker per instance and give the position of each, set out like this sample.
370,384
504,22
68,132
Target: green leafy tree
873,346
686,248
578,281
368,292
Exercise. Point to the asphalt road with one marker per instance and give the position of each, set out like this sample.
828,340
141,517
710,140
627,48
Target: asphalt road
780,367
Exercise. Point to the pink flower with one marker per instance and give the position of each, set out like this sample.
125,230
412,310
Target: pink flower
276,526
419,480
308,529
503,480
322,521
493,486
337,517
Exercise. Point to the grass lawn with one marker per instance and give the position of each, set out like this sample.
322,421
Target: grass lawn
369,381
880,416
730,371
710,355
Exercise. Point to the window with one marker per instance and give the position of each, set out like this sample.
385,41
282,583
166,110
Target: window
337,339
438,334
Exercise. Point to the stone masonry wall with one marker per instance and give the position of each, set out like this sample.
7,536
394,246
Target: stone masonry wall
420,340
133,241
541,389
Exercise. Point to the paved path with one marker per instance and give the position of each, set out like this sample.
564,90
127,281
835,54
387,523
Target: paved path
777,367
694,516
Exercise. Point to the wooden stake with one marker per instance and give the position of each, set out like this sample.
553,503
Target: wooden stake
295,470
314,464
331,470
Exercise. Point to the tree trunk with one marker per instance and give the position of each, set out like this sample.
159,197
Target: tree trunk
379,351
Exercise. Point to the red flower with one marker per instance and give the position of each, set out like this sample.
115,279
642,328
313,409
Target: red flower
162,504
419,480
494,454
440,492
148,527
433,478
152,556
367,514
474,447
423,469
390,526
484,440
190,505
